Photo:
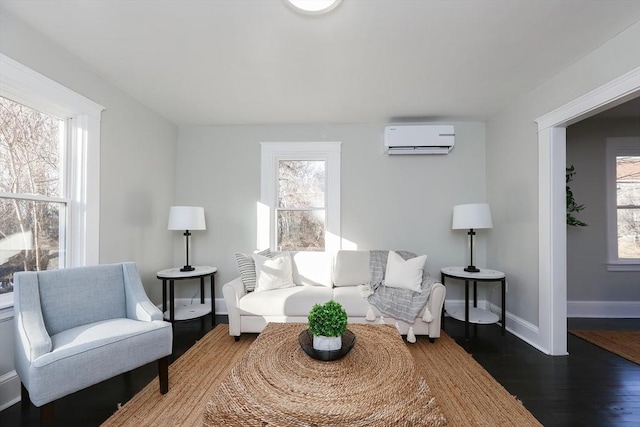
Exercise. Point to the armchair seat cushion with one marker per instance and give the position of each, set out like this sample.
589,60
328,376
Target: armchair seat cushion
116,333
87,354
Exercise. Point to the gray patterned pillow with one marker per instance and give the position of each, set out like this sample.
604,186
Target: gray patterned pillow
247,268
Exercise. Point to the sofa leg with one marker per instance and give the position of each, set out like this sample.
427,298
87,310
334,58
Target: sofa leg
25,400
163,374
432,340
46,415
237,338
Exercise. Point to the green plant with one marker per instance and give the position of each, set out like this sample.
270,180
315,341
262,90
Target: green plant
328,320
572,206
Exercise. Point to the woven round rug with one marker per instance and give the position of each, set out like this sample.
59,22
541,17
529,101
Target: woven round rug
277,384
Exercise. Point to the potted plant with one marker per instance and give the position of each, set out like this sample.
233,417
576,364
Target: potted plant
327,323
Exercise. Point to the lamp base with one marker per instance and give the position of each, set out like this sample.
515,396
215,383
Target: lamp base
187,268
472,269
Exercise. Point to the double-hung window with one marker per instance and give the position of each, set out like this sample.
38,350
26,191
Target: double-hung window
301,196
623,203
49,175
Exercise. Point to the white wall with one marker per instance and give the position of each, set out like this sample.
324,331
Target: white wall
512,165
397,202
137,165
587,275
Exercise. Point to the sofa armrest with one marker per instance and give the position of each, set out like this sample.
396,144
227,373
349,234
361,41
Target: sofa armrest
232,292
435,305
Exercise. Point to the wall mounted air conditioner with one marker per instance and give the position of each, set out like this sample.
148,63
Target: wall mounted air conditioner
419,139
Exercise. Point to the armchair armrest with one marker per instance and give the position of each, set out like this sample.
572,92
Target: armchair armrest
32,337
139,306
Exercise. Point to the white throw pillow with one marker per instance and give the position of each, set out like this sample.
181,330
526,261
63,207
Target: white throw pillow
273,273
404,274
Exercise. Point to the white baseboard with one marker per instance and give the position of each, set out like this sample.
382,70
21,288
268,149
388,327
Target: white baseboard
519,327
221,307
9,390
604,309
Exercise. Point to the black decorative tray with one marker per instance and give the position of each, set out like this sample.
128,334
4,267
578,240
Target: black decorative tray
306,342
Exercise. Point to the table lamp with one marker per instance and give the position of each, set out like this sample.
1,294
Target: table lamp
472,216
186,218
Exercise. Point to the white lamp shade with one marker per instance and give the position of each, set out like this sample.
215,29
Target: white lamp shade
475,215
186,218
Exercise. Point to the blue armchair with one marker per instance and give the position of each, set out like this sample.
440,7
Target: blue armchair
76,327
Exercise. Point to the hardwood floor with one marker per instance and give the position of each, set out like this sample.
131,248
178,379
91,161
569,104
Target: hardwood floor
590,387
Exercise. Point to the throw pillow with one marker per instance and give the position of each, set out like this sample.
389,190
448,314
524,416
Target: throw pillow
404,274
273,273
247,268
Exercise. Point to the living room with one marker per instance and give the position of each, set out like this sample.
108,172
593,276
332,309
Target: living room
151,158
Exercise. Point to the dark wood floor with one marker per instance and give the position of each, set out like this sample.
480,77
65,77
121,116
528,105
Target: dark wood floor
590,387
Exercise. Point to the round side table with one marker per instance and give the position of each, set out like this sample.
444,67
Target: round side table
189,311
474,314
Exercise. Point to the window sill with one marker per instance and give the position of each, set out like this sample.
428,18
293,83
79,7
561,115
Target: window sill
623,266
6,306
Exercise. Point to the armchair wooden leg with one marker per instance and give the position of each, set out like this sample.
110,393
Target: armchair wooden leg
25,401
163,374
46,415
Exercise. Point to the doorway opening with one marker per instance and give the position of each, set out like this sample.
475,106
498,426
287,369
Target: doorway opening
552,233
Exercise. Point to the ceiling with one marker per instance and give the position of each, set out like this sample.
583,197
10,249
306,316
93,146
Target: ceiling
260,62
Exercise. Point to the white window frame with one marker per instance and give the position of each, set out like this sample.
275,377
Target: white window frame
271,154
619,146
24,85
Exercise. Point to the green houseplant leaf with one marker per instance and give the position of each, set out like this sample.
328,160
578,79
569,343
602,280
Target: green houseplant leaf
572,206
328,320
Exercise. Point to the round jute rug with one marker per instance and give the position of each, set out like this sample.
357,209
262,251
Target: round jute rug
277,384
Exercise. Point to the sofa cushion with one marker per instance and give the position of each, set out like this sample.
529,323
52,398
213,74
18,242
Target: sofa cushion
351,268
273,273
312,268
296,301
353,302
247,268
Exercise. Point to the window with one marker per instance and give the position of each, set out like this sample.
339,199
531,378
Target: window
300,212
49,175
623,199
32,200
301,189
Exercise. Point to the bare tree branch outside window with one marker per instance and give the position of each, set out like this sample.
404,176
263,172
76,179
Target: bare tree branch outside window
301,208
31,203
628,204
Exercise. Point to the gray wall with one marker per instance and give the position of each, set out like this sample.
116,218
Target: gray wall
388,202
587,275
512,165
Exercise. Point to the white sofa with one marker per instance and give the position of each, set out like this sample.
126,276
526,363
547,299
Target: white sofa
319,278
